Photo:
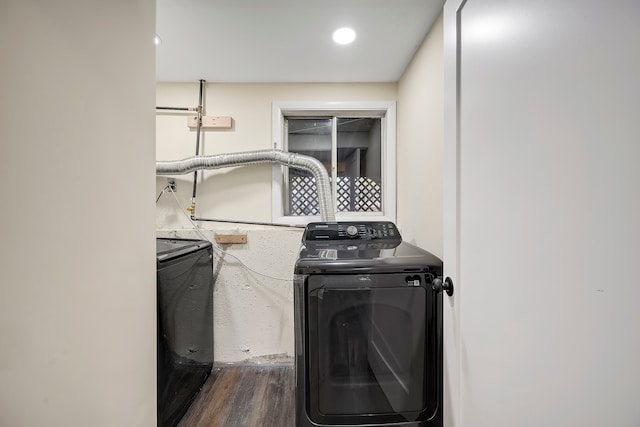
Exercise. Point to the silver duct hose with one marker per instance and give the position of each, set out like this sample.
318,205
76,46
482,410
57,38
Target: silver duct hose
292,160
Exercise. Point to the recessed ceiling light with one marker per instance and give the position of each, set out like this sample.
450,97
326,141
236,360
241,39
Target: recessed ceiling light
344,35
157,40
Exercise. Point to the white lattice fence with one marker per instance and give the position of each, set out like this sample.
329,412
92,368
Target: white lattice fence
355,194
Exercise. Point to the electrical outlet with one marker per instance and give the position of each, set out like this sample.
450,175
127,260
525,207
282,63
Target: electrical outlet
171,182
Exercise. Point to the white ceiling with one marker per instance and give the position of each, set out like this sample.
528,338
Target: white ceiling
288,40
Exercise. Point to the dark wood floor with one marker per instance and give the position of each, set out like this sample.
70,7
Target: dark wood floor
245,396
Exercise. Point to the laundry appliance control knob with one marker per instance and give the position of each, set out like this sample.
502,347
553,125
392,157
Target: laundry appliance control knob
352,231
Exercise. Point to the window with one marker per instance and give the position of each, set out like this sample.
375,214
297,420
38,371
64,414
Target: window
355,142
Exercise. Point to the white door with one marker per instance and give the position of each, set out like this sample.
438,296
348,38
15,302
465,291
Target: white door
542,213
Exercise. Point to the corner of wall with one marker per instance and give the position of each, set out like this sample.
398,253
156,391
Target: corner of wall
420,144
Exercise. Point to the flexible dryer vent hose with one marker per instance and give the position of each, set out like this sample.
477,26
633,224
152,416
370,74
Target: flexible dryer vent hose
292,160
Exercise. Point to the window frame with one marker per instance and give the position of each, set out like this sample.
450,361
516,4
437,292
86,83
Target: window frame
386,110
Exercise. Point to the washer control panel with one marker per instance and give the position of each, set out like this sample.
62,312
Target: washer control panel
365,230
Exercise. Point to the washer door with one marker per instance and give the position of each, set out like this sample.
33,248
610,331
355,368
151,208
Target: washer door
368,349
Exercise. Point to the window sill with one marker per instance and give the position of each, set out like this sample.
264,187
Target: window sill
340,217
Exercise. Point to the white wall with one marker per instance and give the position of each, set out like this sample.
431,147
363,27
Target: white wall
420,142
77,286
253,315
240,193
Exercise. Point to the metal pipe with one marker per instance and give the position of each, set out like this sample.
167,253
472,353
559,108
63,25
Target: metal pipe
292,160
231,221
195,173
177,108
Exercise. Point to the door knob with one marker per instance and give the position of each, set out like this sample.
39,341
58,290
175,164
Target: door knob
438,285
